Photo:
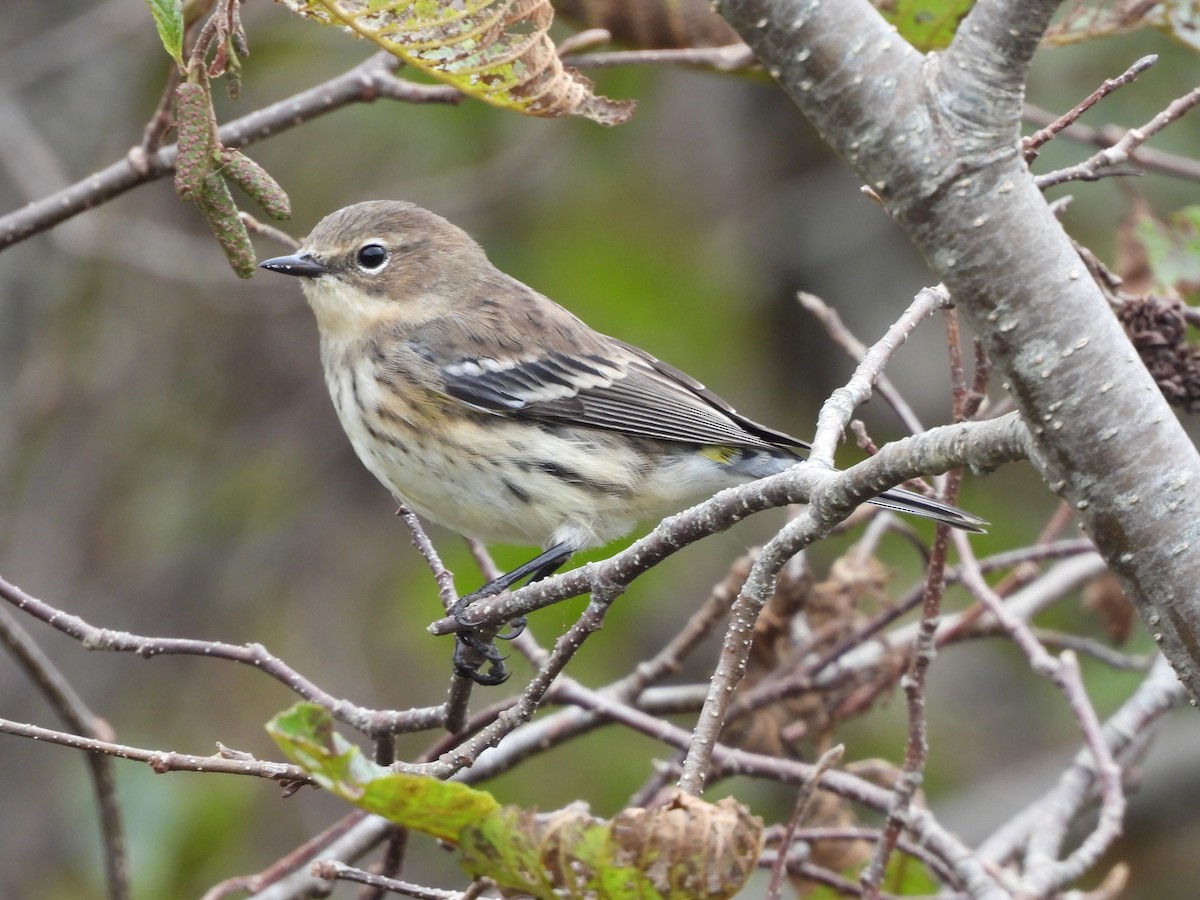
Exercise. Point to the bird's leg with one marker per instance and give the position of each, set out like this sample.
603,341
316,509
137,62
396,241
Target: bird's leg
475,646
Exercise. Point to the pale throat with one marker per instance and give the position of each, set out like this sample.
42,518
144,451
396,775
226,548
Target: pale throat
343,312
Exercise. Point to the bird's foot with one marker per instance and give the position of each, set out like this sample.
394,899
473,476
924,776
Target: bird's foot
473,651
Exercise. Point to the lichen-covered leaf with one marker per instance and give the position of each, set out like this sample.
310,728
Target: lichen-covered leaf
498,51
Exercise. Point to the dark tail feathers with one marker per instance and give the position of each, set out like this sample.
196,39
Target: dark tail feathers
900,500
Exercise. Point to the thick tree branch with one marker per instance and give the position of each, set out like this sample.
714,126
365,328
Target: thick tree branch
947,164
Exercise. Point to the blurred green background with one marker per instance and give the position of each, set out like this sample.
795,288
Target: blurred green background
170,462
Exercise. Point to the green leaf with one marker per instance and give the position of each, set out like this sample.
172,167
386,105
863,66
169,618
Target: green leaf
685,850
926,24
168,19
440,808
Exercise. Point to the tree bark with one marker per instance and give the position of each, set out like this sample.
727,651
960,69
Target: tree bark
937,138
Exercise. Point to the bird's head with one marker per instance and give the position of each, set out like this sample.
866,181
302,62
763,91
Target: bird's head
382,261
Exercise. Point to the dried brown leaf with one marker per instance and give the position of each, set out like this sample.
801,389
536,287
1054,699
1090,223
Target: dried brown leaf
498,51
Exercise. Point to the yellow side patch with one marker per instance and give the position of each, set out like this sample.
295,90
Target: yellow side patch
720,455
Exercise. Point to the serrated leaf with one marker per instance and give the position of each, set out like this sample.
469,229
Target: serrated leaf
168,19
439,808
926,24
498,51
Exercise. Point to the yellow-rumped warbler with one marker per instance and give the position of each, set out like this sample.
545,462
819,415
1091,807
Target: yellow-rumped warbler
488,408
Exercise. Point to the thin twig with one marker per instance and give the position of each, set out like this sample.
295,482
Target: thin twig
392,864
1149,158
72,709
369,721
1123,150
924,648
332,870
162,761
856,349
730,58
420,538
1125,732
364,83
348,838
592,618
838,409
1041,867
828,760
1040,137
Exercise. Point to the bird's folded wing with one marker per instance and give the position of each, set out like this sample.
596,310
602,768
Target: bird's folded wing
627,391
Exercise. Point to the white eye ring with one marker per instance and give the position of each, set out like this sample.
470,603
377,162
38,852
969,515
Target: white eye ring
372,257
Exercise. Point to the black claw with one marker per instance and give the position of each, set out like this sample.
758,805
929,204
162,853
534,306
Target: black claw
480,645
515,628
474,648
495,675
471,652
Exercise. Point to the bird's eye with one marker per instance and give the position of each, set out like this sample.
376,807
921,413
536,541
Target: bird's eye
372,256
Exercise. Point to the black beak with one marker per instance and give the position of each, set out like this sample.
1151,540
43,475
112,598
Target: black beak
297,264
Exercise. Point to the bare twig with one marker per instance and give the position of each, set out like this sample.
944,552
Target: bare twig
332,870
1040,137
365,83
1125,733
369,721
1149,158
856,350
838,409
1123,150
531,697
75,712
723,59
828,760
164,760
290,877
1041,867
916,749
441,575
